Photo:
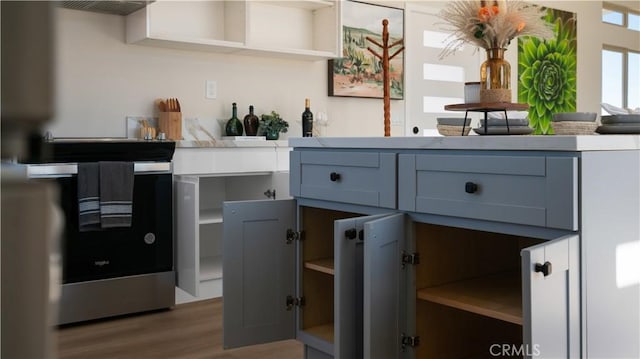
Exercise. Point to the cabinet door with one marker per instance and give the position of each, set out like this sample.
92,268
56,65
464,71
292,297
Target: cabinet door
349,251
550,297
187,234
259,272
384,287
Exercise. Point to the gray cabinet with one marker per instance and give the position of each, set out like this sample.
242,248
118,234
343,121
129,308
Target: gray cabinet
538,190
391,285
322,281
512,266
475,296
259,267
365,178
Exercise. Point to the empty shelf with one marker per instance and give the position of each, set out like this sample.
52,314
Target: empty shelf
210,268
324,265
208,216
496,296
324,331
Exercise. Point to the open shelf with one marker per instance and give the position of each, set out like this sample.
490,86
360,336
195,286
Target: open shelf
210,268
324,332
496,296
209,216
321,265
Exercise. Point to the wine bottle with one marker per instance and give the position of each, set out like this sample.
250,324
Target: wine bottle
307,120
251,123
234,126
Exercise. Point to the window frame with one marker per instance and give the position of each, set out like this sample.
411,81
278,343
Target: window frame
625,11
625,69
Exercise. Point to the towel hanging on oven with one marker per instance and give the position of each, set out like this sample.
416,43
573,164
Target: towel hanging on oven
105,195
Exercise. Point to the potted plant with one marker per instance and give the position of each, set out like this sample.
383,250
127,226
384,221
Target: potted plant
272,124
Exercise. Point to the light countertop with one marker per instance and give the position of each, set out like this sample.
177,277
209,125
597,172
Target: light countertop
521,143
230,143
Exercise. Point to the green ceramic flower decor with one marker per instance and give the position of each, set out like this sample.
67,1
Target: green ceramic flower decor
547,72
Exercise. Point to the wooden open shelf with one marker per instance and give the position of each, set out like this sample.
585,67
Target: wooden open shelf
496,296
324,332
324,265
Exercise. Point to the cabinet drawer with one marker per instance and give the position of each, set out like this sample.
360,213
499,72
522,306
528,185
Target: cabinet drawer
366,178
532,190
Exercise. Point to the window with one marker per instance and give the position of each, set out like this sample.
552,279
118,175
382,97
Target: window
620,78
621,16
634,21
621,63
612,17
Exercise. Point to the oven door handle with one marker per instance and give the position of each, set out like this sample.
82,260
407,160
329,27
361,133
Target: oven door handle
51,170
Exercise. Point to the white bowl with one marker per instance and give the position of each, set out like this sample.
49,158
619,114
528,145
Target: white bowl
575,116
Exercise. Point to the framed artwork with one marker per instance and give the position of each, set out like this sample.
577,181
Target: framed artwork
547,71
359,73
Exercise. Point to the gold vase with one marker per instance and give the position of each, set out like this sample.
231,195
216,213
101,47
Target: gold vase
495,78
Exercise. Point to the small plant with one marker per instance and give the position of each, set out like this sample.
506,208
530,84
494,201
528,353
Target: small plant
272,124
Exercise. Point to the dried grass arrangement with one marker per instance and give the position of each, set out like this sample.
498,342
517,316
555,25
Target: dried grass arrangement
491,24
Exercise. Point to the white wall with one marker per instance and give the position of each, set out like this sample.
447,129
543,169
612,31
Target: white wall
101,80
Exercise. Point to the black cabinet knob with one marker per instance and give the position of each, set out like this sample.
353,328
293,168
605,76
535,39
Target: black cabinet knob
544,268
334,176
351,233
415,130
470,187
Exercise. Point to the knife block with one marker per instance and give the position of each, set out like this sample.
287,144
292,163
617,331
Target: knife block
171,124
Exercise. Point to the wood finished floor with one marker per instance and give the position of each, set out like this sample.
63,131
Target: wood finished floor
189,331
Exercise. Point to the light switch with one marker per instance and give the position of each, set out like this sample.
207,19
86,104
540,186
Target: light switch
211,89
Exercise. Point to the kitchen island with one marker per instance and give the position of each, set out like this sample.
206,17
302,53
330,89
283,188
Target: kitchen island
433,247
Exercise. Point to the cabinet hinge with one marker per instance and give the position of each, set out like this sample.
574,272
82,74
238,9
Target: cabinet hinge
270,193
294,235
294,302
408,341
410,258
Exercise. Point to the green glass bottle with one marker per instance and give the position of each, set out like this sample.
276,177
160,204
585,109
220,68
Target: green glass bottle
234,126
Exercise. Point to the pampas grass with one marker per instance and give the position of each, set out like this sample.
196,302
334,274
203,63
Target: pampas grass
491,24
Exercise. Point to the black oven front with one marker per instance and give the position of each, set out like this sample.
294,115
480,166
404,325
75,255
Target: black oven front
145,247
122,270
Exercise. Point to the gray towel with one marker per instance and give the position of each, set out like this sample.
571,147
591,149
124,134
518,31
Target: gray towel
116,194
88,196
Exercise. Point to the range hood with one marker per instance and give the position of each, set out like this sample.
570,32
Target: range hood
106,7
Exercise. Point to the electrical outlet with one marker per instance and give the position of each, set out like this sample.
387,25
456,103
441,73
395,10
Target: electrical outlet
211,89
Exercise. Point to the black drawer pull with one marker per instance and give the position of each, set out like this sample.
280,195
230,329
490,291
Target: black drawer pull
470,187
334,176
544,268
351,233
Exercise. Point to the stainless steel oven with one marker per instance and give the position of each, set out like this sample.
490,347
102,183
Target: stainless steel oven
115,271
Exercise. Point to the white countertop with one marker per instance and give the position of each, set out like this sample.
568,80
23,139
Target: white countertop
521,143
230,143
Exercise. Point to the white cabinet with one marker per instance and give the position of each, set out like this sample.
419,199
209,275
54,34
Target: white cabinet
307,29
205,178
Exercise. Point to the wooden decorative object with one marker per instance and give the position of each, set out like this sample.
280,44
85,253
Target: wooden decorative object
385,70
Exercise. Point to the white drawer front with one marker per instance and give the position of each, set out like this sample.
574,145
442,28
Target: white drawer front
532,190
366,178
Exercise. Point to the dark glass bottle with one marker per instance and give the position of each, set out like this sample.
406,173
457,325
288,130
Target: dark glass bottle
234,126
307,120
251,123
